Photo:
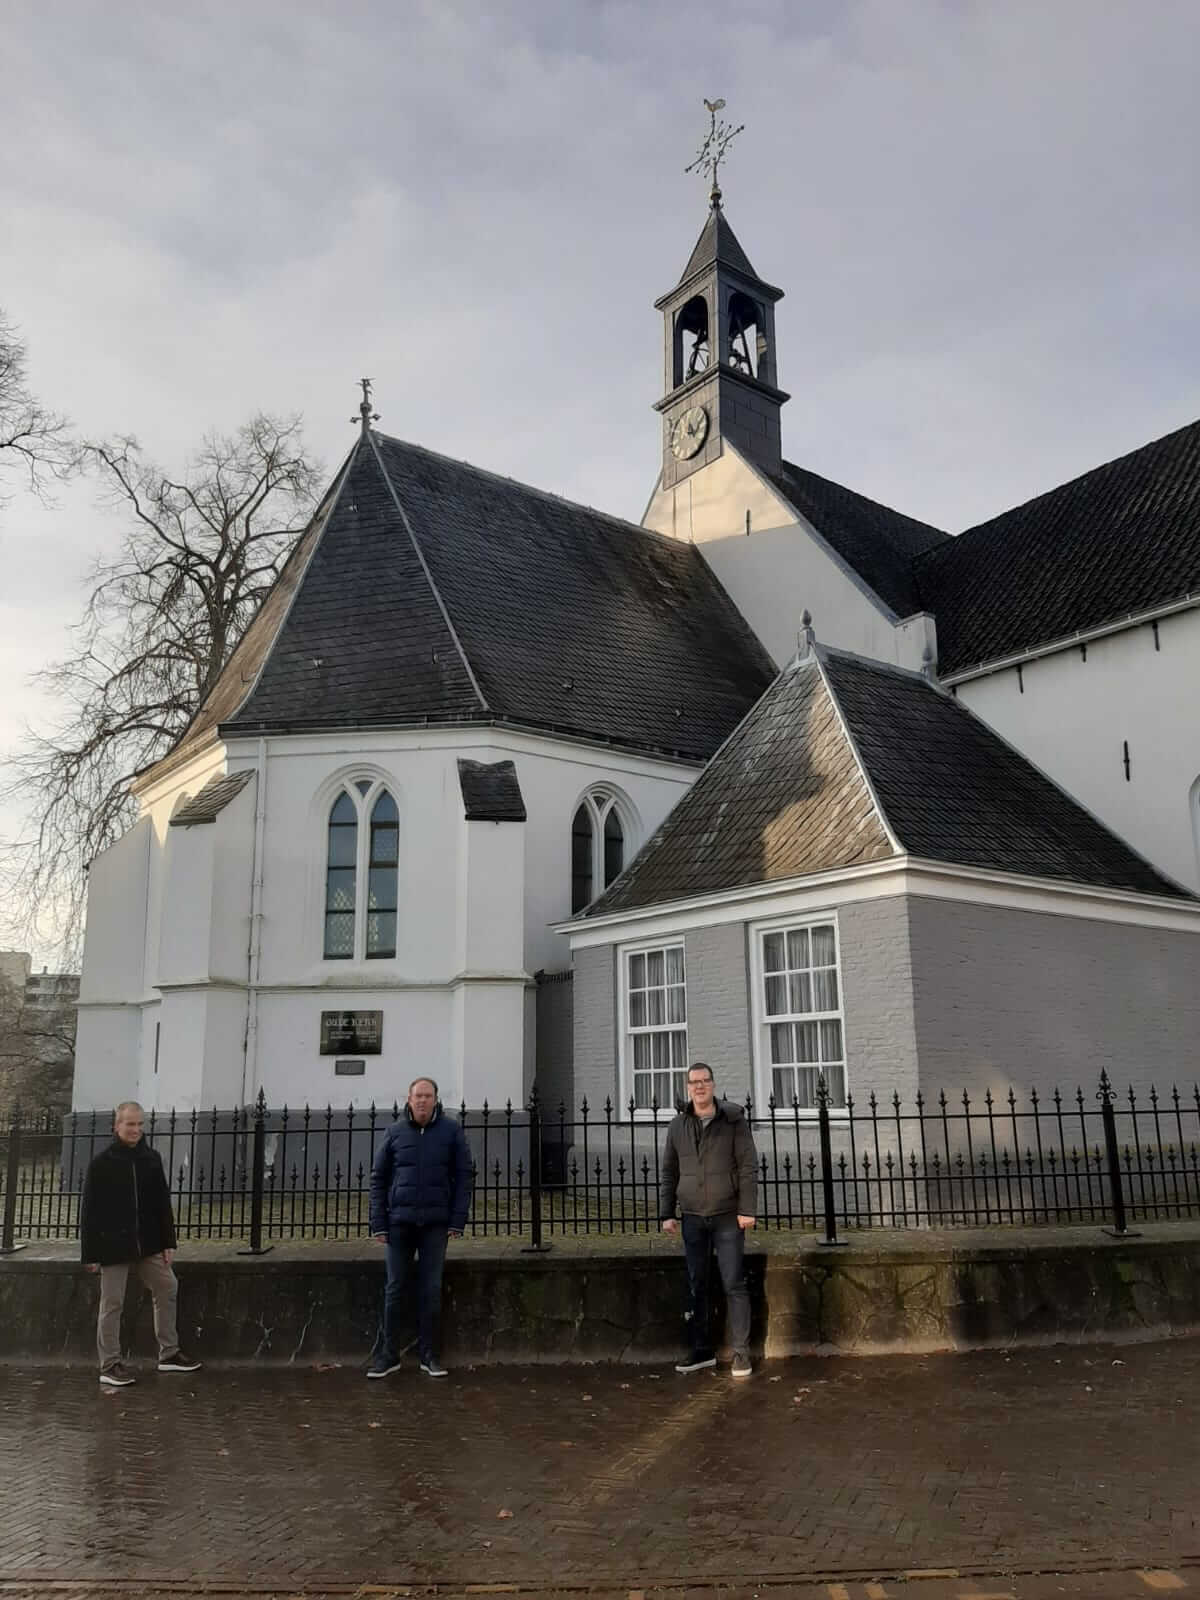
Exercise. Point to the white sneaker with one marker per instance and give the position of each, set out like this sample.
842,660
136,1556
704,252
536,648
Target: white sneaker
433,1368
118,1376
741,1367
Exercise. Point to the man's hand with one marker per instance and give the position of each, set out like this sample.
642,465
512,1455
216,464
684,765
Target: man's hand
91,1266
747,1222
167,1256
670,1225
381,1238
456,1233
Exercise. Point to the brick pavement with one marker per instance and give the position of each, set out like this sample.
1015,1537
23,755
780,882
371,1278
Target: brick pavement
991,1463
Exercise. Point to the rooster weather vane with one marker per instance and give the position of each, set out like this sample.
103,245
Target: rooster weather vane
712,151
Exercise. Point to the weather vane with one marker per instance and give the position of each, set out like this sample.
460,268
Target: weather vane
712,151
365,415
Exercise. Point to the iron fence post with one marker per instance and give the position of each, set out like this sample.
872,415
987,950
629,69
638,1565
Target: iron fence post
8,1246
831,1239
1120,1228
535,1177
258,1167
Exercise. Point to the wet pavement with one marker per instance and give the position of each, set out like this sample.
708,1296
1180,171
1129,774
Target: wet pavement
851,1475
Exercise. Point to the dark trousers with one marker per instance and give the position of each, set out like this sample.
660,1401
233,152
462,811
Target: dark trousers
427,1244
704,1237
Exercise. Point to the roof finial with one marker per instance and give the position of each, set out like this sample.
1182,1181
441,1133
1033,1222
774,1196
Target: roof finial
806,639
365,415
712,151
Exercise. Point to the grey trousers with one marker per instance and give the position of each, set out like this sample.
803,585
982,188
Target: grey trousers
163,1285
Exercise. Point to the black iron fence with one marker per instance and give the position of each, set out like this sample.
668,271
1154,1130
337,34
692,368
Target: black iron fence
259,1174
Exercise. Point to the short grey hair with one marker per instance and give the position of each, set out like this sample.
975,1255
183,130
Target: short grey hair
701,1066
127,1105
425,1078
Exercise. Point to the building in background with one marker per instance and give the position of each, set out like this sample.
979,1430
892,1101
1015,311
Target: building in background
37,1034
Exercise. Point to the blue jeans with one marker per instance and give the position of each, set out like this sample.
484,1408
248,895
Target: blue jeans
427,1243
704,1237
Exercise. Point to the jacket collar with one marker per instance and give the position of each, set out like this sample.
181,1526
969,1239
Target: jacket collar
131,1152
718,1109
412,1121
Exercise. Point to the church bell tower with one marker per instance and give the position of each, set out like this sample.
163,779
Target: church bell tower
720,379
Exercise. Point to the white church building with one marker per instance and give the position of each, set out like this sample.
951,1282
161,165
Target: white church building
498,787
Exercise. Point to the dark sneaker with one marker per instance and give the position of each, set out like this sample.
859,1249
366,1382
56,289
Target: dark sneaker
696,1362
383,1367
433,1368
118,1376
179,1363
741,1367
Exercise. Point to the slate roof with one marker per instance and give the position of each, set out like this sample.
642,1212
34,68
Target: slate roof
490,791
207,803
1120,539
954,791
788,796
878,543
434,592
717,243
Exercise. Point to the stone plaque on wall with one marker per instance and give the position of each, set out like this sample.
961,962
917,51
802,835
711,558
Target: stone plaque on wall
346,1033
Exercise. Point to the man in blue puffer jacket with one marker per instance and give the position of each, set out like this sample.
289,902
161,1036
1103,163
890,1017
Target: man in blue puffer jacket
420,1191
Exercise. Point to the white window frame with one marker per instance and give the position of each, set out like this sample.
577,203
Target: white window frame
363,804
625,955
763,1067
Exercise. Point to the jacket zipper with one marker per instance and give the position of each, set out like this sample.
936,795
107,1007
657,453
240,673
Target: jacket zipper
137,1232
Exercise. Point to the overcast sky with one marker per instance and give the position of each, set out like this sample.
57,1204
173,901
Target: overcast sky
984,216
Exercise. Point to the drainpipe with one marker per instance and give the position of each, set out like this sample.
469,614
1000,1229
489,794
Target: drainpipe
254,945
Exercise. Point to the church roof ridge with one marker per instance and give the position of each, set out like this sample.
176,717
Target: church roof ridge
1111,543
1080,478
625,523
233,687
430,579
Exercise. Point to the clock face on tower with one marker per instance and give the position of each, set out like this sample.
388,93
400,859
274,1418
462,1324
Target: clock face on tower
689,433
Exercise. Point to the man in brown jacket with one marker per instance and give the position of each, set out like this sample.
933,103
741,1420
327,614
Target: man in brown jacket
709,1166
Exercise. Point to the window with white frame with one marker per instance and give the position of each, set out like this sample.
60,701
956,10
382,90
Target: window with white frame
362,862
598,840
800,1009
656,1026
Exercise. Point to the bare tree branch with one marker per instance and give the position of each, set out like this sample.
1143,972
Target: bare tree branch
160,621
34,441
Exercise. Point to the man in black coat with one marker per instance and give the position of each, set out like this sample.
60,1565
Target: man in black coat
420,1193
126,1221
708,1167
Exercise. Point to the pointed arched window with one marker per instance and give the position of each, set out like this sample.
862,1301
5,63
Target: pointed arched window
383,873
581,858
341,873
362,868
598,846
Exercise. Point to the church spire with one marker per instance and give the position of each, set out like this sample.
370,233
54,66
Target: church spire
719,342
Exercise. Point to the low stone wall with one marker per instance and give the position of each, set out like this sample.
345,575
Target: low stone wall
622,1299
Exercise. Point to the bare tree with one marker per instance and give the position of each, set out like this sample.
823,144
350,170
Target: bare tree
33,440
199,555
